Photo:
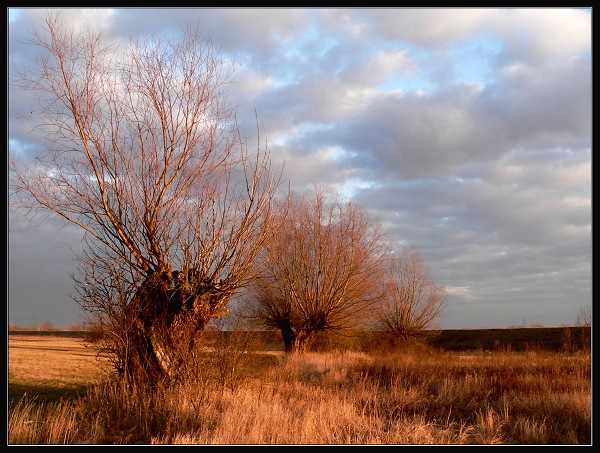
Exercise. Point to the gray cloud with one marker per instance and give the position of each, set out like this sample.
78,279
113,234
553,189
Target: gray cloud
467,131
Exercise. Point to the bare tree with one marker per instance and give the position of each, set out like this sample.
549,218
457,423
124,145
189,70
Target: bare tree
146,157
584,316
412,299
320,272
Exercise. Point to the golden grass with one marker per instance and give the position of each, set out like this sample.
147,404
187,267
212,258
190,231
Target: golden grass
407,397
50,367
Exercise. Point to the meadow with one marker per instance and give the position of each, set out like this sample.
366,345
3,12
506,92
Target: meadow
415,394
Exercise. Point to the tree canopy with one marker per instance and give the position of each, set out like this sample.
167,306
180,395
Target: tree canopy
322,269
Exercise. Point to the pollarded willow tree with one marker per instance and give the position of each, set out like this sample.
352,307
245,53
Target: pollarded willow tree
412,300
146,157
322,270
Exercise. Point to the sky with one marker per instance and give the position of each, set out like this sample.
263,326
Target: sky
467,132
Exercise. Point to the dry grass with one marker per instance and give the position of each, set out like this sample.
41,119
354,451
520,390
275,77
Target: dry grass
411,397
50,367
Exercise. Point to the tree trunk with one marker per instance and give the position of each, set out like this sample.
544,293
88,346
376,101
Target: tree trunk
145,366
287,335
294,340
168,321
302,340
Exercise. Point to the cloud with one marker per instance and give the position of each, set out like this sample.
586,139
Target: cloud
466,131
532,38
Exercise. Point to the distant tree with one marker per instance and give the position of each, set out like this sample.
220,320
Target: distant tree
320,272
584,317
412,300
584,320
146,157
47,325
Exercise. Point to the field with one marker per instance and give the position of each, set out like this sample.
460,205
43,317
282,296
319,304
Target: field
472,387
50,367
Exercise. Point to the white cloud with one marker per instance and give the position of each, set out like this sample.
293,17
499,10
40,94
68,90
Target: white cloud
533,37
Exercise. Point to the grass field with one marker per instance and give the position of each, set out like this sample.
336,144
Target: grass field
50,367
464,394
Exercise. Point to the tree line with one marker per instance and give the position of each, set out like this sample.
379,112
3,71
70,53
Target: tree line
181,217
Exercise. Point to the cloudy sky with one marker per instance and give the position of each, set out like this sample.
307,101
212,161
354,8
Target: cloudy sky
468,132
